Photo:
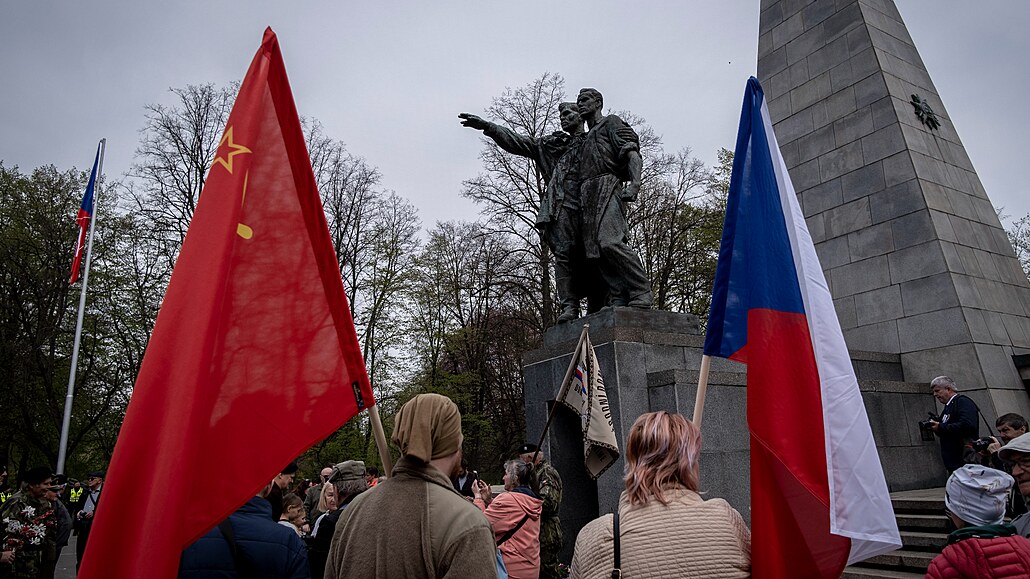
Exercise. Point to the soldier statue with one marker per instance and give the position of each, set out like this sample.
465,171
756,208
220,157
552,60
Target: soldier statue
582,216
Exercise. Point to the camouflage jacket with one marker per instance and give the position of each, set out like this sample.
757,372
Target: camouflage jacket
28,525
549,482
551,537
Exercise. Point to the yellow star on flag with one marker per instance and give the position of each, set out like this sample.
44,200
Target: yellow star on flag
233,150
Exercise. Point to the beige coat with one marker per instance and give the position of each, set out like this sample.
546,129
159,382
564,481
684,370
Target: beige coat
413,525
690,537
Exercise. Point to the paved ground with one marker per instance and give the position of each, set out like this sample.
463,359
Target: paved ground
66,564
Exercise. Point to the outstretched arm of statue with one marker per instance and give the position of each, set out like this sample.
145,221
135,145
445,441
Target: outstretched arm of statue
635,165
473,122
505,138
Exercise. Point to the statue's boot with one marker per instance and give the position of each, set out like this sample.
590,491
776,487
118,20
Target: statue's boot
569,312
563,282
642,301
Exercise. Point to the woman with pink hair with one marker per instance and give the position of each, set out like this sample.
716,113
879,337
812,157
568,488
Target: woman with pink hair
665,528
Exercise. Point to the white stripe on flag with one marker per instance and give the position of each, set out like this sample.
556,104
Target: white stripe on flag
860,506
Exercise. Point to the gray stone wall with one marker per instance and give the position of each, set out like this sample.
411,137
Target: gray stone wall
914,254
650,361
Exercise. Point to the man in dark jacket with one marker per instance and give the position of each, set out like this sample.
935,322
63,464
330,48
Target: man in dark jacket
84,510
247,544
62,529
349,479
313,495
958,424
464,481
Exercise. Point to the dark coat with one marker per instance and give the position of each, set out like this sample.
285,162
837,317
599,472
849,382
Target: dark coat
64,524
958,426
264,545
466,489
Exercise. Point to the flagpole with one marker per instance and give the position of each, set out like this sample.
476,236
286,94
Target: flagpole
702,387
564,386
62,452
380,436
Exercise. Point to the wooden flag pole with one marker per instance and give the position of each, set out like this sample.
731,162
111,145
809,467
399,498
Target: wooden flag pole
702,387
380,434
561,391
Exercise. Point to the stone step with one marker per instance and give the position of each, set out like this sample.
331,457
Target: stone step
919,502
924,541
870,573
903,560
926,523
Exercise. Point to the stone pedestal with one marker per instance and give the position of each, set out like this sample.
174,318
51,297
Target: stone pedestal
650,361
629,344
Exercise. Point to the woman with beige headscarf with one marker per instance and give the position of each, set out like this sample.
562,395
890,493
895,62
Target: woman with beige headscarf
390,533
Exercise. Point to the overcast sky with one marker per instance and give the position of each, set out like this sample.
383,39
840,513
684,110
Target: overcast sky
388,78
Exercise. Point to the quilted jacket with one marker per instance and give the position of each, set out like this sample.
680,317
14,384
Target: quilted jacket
691,537
988,552
270,550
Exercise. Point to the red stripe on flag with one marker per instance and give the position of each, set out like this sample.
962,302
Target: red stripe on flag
82,220
790,496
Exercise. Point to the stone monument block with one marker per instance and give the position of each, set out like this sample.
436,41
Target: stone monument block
650,361
916,258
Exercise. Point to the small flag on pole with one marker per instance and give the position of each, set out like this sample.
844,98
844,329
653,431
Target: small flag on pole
253,358
587,397
83,219
819,500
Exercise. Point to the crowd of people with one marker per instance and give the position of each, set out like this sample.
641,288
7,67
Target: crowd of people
988,482
37,521
435,517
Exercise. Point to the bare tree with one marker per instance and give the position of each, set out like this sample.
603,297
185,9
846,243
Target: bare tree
177,146
470,333
511,187
1019,236
677,220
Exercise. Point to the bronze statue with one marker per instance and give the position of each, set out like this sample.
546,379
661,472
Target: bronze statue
575,279
607,156
581,216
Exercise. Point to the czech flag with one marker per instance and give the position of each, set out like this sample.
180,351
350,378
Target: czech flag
818,497
83,218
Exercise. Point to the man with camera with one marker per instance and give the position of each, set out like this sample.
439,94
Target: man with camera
1010,426
958,423
1017,454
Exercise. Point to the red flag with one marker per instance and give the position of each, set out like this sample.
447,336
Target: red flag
254,356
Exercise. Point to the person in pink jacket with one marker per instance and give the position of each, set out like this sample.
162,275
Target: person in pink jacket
515,518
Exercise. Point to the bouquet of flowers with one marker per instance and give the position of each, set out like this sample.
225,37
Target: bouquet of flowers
26,526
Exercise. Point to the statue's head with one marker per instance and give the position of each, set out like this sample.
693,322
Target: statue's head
571,122
589,102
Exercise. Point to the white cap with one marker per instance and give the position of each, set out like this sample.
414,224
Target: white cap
978,494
